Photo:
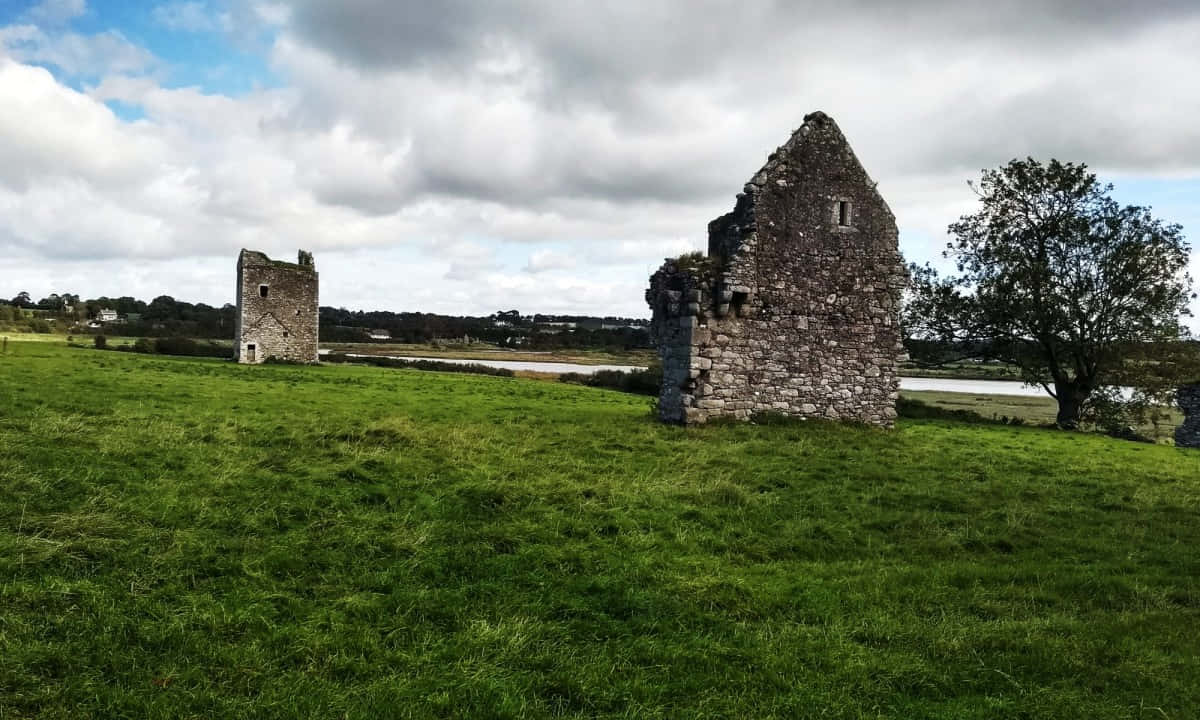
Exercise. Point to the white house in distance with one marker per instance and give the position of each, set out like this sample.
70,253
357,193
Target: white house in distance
106,315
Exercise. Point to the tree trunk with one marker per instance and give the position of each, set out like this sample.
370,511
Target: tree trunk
1071,397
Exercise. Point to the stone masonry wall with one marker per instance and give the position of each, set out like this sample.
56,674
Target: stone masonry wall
1188,434
795,308
283,324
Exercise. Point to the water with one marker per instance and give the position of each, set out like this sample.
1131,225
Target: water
972,387
545,367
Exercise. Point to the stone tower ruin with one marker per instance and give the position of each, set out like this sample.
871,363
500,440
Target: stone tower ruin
794,309
276,309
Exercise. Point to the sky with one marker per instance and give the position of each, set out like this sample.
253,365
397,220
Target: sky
465,157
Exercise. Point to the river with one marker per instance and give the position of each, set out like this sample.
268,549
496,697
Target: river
973,387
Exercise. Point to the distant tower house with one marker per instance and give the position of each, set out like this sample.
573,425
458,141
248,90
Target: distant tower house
794,310
276,309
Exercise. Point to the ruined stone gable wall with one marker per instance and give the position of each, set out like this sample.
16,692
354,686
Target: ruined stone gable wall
282,325
791,312
1188,434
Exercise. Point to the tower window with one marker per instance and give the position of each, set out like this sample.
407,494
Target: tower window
263,290
843,213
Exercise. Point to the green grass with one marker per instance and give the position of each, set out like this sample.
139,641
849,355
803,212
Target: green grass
1039,410
184,538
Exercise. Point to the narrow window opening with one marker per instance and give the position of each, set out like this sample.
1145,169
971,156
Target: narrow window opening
843,213
285,333
263,290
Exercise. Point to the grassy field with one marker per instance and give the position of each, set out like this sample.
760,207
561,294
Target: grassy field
184,538
1040,410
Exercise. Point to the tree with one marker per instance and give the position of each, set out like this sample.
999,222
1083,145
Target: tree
1058,279
22,300
162,307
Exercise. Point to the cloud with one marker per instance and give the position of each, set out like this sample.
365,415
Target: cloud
464,156
545,260
272,13
74,54
52,133
469,261
190,16
56,12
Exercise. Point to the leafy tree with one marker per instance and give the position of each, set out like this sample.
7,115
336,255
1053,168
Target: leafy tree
1058,279
162,307
22,300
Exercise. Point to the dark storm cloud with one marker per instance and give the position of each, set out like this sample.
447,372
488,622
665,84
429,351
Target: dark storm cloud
679,38
927,87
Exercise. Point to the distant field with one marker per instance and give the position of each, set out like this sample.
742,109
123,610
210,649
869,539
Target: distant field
184,538
1033,410
963,371
487,351
483,351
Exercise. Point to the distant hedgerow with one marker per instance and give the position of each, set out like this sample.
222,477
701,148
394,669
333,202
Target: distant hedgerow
169,346
639,382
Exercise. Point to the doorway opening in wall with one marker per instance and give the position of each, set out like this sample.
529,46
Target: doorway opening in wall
250,352
263,290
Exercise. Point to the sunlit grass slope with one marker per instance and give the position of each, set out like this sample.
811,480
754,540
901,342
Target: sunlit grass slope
191,539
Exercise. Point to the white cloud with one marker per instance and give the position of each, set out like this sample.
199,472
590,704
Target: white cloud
52,133
546,260
462,157
74,54
190,16
56,12
272,13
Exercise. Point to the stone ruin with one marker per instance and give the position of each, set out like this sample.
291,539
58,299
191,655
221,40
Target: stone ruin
276,309
1188,434
794,309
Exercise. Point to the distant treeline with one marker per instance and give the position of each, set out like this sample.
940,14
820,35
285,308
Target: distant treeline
506,328
164,316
